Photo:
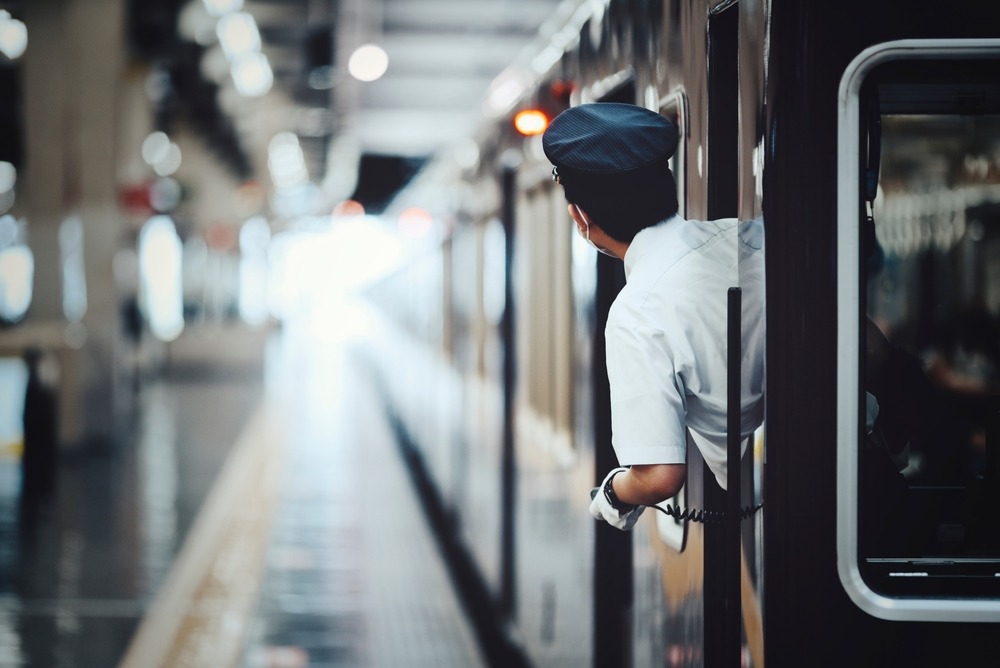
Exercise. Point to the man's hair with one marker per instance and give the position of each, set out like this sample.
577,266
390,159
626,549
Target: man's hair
623,204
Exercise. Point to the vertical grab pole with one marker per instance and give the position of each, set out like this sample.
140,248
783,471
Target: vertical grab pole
506,603
734,456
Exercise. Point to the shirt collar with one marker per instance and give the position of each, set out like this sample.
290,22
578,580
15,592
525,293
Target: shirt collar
643,241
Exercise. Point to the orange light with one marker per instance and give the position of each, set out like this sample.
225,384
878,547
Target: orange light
415,222
348,209
530,122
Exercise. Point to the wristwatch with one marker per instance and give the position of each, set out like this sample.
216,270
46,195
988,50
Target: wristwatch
609,494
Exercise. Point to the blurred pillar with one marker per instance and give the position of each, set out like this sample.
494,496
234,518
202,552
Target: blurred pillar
73,69
43,177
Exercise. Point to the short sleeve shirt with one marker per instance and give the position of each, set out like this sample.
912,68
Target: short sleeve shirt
667,343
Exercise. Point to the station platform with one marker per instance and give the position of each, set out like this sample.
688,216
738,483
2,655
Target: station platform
259,516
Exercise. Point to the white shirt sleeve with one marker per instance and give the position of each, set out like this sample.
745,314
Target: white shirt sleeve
648,404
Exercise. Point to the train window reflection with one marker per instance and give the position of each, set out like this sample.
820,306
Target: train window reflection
74,275
16,277
928,460
494,254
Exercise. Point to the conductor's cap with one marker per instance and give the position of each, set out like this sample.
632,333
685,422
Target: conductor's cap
608,139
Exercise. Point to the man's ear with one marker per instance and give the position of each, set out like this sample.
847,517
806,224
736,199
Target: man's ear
579,217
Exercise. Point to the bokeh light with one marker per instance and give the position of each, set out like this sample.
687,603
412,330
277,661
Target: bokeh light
368,62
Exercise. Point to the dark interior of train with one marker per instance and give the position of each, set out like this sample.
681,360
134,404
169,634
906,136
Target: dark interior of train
929,483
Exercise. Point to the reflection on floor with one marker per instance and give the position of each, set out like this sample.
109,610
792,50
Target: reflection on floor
249,521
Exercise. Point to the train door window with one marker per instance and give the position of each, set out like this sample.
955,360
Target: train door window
919,331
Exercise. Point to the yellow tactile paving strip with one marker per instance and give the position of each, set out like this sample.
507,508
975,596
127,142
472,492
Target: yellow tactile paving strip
200,616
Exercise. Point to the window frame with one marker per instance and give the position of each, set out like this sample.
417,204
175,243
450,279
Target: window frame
674,532
897,608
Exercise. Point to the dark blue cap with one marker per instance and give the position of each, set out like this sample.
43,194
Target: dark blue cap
613,160
607,138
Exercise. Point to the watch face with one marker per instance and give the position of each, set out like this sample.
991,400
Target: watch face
609,494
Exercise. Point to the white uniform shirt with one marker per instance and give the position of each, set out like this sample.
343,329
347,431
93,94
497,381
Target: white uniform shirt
666,340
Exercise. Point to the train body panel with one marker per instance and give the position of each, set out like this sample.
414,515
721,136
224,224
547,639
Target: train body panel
755,88
800,204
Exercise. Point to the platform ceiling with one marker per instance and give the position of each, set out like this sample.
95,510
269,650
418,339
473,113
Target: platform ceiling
444,55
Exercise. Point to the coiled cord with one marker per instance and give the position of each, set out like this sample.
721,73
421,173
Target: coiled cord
705,516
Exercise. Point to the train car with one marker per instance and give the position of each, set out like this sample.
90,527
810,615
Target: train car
861,528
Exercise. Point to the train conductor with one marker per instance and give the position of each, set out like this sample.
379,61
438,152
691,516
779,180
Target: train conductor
666,330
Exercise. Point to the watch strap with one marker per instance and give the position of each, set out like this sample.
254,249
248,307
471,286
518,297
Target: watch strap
609,494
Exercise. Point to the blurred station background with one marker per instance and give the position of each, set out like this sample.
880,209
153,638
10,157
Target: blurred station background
192,195
302,360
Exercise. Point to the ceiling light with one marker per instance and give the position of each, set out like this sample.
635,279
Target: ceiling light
368,62
238,34
8,176
161,154
222,7
170,162
252,74
195,24
13,36
155,147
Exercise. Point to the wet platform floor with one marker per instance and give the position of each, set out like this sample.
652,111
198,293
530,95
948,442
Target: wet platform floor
251,519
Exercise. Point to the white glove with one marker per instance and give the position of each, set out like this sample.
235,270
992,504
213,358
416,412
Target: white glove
601,508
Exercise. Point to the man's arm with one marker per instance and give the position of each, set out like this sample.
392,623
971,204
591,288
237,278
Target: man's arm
649,484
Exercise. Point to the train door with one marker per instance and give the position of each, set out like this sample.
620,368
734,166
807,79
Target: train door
724,638
918,441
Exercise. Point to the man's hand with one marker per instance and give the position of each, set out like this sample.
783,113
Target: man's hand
601,508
